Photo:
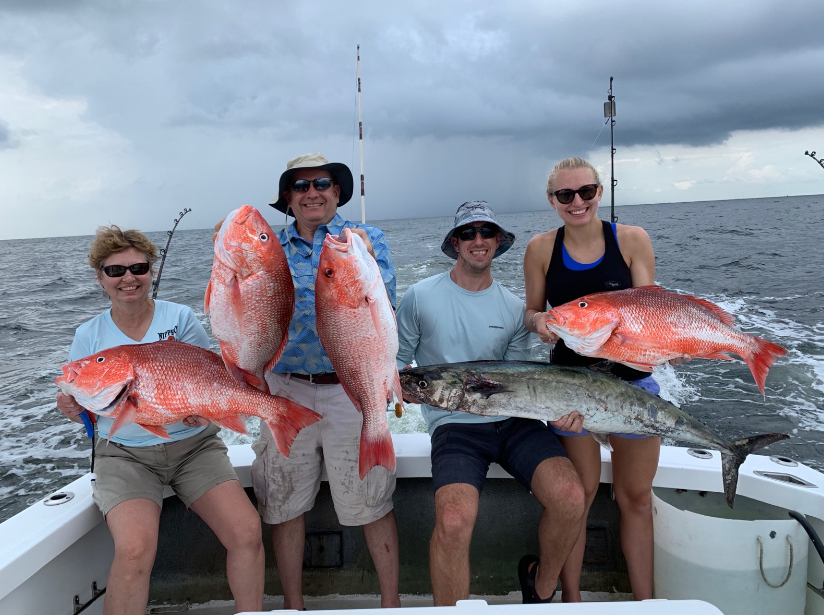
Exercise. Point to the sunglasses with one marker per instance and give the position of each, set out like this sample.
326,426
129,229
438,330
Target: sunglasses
320,184
566,196
118,271
468,232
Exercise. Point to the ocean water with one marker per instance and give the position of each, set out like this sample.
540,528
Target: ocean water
760,259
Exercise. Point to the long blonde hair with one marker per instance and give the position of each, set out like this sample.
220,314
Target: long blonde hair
564,165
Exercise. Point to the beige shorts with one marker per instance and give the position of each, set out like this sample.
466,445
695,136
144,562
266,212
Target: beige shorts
191,467
286,488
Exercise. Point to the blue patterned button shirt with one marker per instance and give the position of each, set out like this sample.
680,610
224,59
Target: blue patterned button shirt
303,353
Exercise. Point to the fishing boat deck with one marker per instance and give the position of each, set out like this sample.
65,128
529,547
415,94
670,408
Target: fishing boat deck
68,543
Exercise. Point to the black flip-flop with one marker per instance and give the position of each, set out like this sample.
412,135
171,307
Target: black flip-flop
526,576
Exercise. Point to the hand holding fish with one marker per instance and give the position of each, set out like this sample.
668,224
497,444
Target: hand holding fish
68,405
366,242
573,422
539,323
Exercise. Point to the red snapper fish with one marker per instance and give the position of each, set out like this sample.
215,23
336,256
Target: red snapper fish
647,326
250,298
357,328
157,384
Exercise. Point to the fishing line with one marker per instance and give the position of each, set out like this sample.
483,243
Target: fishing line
596,138
782,175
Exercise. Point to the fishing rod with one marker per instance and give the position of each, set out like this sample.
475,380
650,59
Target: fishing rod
165,251
609,112
820,161
360,133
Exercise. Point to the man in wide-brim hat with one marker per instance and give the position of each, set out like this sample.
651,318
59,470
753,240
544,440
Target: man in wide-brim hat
311,189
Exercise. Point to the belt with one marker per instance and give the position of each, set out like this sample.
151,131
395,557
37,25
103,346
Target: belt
327,378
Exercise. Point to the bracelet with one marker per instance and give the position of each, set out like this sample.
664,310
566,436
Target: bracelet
533,321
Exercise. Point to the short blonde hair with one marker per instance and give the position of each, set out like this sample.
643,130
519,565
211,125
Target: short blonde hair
565,165
111,240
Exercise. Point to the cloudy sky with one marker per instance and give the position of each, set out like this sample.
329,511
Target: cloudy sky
127,111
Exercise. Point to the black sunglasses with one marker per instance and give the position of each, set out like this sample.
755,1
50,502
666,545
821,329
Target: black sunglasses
320,184
566,196
118,271
468,233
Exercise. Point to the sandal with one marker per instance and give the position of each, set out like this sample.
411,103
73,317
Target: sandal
526,576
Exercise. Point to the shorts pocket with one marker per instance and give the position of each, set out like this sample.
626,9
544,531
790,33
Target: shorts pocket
380,484
260,469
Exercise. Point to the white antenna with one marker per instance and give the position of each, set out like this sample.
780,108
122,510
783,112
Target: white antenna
360,131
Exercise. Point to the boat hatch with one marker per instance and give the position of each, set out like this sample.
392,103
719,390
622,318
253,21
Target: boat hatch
783,477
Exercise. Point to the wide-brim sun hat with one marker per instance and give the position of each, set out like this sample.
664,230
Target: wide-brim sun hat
476,211
340,173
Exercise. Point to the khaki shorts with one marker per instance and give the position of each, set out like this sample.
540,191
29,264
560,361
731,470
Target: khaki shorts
286,488
191,467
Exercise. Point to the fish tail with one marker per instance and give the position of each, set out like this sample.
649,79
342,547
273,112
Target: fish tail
376,452
737,452
761,358
286,421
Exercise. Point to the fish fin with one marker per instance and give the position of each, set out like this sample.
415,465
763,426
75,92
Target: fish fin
374,310
761,359
376,452
244,377
235,300
398,393
271,364
602,439
720,313
127,411
157,430
732,459
720,354
235,423
286,420
208,298
641,367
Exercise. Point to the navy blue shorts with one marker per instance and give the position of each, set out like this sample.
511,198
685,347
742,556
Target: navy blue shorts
462,452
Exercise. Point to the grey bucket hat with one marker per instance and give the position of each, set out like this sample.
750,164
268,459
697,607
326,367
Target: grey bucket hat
340,173
476,211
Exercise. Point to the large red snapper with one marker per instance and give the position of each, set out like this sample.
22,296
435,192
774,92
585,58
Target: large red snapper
157,384
357,328
647,326
250,298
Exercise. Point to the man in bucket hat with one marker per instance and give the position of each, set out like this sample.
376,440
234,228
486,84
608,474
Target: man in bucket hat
465,315
311,189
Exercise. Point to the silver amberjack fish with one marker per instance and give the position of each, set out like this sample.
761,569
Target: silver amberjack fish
547,392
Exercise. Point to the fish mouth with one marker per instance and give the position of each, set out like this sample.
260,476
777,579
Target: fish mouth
341,242
556,319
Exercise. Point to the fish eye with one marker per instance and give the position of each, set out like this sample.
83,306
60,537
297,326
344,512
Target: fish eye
263,237
328,273
422,384
100,359
582,304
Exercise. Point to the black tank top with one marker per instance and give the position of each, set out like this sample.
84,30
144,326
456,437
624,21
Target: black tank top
564,285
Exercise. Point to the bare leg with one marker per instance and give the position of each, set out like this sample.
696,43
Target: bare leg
227,510
585,454
134,527
456,509
557,487
288,539
382,542
634,463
